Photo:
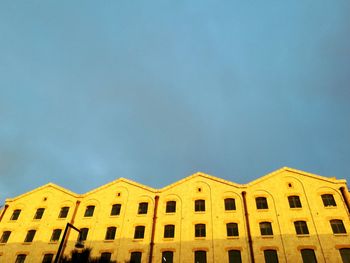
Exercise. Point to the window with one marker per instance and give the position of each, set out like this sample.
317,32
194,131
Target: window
116,209
199,205
328,200
308,256
337,226
64,212
56,233
143,207
110,234
170,207
266,229
47,258
200,256
169,231
21,258
294,201
345,254
30,236
5,236
232,229
301,228
200,230
15,215
39,213
230,204
234,256
270,256
261,203
105,257
89,211
139,232
83,234
167,256
135,257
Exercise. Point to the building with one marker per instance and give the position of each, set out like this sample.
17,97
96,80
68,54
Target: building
285,216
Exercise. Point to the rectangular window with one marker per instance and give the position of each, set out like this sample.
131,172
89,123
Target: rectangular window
56,233
21,258
308,256
116,209
135,257
169,231
139,232
338,226
30,236
234,256
47,258
328,200
266,229
345,254
5,237
83,234
89,211
232,229
261,203
170,207
294,201
105,257
15,214
200,230
39,213
200,256
110,234
143,207
199,205
230,204
301,228
270,256
167,256
63,212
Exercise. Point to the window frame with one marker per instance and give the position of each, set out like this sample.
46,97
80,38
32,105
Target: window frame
105,257
199,205
143,208
230,204
84,232
337,226
261,203
5,237
271,256
110,233
89,211
139,232
15,214
232,229
170,207
328,200
301,227
30,236
56,235
136,257
21,258
234,256
47,258
169,231
294,201
303,253
39,213
200,256
200,230
116,209
265,231
63,212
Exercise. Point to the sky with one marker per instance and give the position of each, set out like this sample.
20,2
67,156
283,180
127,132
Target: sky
155,91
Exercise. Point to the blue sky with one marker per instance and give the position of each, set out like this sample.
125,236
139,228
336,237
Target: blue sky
154,91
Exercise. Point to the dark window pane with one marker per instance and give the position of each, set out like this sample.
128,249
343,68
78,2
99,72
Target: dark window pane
294,201
143,207
105,257
116,209
261,203
266,228
139,232
301,228
270,256
20,258
5,236
345,254
234,256
232,229
200,230
47,258
167,256
63,212
170,207
230,204
200,257
89,211
110,234
337,226
328,200
135,257
83,234
169,231
308,256
30,236
39,213
55,235
15,214
199,205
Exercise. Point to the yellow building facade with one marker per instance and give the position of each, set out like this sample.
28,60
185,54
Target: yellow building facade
285,216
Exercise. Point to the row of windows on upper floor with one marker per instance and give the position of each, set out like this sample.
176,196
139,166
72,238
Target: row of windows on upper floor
200,256
199,206
301,228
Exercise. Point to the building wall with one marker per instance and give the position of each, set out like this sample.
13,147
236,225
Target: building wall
275,187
